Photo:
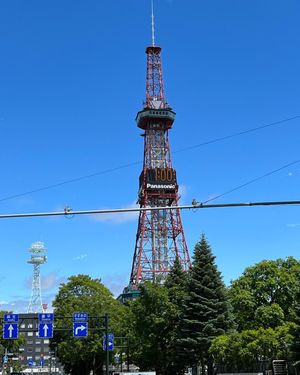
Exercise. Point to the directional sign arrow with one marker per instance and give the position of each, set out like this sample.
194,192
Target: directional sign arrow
10,329
45,328
110,342
79,328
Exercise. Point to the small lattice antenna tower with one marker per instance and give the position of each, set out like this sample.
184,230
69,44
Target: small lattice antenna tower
38,257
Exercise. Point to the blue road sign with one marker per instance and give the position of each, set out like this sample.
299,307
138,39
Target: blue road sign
10,331
110,342
46,317
30,361
80,317
11,318
46,330
80,329
5,359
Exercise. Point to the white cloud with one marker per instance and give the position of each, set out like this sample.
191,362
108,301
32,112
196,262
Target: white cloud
19,305
80,257
294,173
182,192
124,217
293,225
50,281
118,217
115,282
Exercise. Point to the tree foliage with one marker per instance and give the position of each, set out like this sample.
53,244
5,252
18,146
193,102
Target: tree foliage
206,311
176,284
156,322
295,346
264,301
150,328
252,350
83,294
265,295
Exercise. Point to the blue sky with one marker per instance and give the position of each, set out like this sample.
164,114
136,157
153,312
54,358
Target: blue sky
72,80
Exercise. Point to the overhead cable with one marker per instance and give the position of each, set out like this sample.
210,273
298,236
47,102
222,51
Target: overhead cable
69,212
252,181
127,165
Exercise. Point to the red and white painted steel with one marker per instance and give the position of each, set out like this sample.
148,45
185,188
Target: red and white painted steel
160,236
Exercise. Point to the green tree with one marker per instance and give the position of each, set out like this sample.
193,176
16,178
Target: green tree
206,311
252,350
82,293
156,321
176,285
295,346
265,295
150,327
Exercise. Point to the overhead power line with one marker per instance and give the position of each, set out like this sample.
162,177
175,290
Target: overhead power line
252,181
239,133
196,205
48,187
127,165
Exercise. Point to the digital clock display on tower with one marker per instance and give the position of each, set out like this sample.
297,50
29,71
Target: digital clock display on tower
161,179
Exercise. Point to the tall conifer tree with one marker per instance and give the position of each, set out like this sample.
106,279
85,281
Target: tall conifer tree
206,311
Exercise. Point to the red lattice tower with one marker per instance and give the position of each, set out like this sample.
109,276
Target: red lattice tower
160,237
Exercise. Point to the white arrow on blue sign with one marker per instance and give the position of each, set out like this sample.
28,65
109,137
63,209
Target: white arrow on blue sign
46,330
110,342
30,362
11,318
80,329
10,331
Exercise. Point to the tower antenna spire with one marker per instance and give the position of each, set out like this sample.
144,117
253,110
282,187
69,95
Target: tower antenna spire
152,23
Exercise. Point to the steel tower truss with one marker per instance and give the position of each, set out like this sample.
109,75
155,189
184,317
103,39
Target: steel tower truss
37,258
160,236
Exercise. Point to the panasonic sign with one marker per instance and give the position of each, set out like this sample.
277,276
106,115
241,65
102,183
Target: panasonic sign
161,186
